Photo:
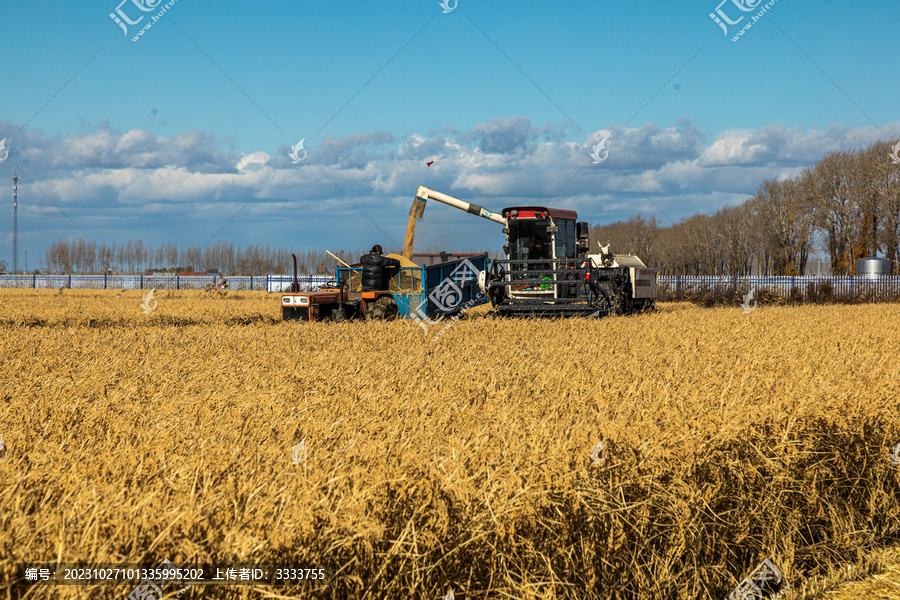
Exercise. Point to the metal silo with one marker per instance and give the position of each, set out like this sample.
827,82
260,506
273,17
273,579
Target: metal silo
873,267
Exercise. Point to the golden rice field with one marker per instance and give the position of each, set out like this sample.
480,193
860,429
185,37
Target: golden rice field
463,463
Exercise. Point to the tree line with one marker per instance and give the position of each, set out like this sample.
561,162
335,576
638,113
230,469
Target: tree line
80,256
844,207
86,257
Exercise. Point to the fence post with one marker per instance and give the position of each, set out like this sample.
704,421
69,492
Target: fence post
104,281
34,280
251,282
70,282
178,282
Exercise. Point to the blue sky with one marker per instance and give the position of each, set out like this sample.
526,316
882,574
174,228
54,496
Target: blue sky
189,128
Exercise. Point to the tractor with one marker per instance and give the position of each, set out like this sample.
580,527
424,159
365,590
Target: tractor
335,302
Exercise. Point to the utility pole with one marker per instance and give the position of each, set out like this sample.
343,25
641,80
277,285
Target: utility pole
15,224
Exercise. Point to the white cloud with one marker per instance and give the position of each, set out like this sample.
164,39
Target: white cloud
501,162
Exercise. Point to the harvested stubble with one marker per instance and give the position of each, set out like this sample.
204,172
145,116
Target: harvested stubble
731,438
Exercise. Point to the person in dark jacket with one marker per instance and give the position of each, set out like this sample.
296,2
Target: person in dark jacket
373,269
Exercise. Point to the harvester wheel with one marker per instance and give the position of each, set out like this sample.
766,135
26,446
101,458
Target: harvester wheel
600,300
495,293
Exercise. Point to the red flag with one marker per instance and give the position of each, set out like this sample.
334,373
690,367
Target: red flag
430,163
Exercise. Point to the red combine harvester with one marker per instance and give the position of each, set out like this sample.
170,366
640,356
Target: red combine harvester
548,270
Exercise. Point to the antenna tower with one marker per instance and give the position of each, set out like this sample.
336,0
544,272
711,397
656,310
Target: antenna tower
15,224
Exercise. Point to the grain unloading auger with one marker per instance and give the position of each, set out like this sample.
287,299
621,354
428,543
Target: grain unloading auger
547,270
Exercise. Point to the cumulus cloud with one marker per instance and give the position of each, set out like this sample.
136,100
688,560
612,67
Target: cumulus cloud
678,169
502,136
102,148
777,146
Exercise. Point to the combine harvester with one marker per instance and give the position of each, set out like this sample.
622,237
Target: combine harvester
547,272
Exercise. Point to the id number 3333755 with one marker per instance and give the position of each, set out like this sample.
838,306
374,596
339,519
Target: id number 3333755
294,574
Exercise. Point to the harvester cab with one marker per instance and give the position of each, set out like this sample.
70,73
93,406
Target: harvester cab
538,238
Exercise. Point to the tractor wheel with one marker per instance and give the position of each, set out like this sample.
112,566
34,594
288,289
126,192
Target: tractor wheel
383,309
391,310
375,312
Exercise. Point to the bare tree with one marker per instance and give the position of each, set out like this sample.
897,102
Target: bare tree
735,226
887,177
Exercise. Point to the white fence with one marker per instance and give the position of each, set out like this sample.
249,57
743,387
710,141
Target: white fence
878,286
269,283
841,286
